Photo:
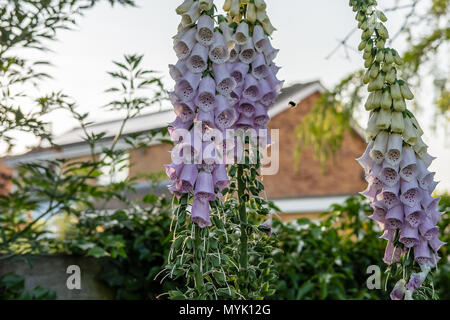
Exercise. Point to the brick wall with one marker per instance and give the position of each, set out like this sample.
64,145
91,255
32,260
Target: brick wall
5,179
341,177
149,160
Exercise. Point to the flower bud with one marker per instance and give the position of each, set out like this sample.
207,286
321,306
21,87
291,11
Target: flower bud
260,4
268,27
382,31
391,75
381,16
251,13
261,15
420,147
397,124
235,8
416,124
184,7
366,77
191,16
406,92
410,133
380,56
395,91
386,100
205,4
374,70
380,43
389,57
362,45
372,130
226,31
397,58
227,5
378,97
369,103
399,105
384,119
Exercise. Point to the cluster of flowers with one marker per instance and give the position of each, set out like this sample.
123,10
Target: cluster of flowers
399,189
255,12
396,161
225,80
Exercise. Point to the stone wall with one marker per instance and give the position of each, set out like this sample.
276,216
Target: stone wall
50,271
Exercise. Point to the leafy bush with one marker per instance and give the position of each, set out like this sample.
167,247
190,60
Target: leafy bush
138,242
328,259
12,287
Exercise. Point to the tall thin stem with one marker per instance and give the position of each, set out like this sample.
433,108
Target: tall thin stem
198,274
243,260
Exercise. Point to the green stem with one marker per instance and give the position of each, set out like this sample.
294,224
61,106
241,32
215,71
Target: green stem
197,259
243,260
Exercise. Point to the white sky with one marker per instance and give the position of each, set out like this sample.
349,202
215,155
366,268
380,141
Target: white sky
307,32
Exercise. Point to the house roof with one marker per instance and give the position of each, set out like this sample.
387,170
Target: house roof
71,144
158,120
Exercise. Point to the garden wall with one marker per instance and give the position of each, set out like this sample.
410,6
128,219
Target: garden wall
50,271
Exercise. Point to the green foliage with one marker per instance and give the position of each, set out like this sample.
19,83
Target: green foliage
213,261
328,259
67,187
29,25
137,241
12,287
341,105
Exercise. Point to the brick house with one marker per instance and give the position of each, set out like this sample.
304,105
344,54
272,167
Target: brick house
298,193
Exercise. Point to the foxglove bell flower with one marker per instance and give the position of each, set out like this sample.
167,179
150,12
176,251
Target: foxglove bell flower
399,190
205,30
225,78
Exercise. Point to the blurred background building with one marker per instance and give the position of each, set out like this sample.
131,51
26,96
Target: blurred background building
300,189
